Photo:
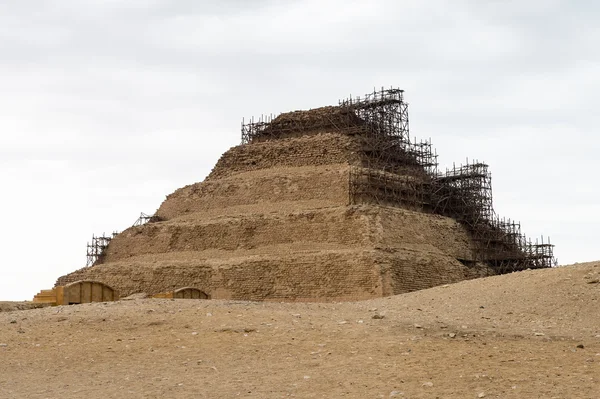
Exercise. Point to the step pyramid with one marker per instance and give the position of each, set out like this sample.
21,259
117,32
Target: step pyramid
333,203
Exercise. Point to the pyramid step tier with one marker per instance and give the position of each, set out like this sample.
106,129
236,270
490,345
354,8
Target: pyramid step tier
260,191
359,225
328,275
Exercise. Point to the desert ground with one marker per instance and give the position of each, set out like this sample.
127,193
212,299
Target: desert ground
531,334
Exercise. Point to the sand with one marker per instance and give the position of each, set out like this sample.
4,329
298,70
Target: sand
532,334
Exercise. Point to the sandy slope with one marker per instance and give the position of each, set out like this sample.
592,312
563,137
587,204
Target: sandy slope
511,336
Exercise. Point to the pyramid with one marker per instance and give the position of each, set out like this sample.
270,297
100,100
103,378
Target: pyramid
333,203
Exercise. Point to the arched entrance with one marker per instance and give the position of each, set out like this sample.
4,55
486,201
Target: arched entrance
85,292
189,293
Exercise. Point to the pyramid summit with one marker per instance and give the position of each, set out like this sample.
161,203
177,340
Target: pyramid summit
333,203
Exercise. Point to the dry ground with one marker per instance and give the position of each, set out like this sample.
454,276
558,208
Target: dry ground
6,306
533,334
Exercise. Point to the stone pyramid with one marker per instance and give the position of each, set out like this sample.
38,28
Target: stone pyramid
334,203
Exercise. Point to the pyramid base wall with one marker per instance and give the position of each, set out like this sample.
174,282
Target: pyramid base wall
319,276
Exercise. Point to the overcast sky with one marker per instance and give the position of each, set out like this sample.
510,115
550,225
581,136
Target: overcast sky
107,106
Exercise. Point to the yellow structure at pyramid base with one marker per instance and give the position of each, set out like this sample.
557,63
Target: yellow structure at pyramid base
183,293
46,296
76,293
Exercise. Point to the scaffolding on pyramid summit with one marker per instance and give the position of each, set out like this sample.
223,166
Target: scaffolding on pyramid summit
395,171
382,112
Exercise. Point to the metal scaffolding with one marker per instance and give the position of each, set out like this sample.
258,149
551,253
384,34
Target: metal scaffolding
291,124
384,112
144,218
464,193
96,250
395,171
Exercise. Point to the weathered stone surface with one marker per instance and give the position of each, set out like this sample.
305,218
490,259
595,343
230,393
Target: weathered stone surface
274,221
